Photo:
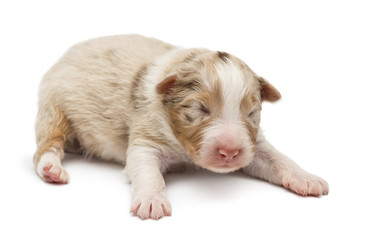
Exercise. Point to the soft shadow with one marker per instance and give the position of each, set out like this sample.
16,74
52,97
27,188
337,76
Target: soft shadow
209,183
91,166
70,158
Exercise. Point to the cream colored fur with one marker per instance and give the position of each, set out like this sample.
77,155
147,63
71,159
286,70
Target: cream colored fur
103,98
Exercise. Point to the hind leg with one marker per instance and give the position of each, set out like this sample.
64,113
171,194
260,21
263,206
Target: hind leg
50,169
52,129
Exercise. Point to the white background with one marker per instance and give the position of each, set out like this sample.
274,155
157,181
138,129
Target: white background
314,52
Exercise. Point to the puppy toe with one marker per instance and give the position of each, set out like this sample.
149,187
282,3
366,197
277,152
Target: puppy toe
154,206
306,184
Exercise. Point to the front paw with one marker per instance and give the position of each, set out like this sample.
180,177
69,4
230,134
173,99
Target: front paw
154,205
305,184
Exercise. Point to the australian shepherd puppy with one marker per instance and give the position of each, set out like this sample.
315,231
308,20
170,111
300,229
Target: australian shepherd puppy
154,107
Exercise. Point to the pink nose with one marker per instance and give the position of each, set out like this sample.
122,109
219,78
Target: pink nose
228,154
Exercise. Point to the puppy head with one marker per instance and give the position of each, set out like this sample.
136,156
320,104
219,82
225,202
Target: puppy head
213,103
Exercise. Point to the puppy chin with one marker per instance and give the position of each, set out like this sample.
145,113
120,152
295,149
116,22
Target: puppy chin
223,169
221,166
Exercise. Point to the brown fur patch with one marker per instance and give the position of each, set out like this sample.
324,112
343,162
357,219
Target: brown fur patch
165,85
182,88
53,136
223,56
248,103
268,92
190,135
250,107
253,132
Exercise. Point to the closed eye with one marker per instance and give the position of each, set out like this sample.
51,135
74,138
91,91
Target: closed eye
204,109
252,113
200,107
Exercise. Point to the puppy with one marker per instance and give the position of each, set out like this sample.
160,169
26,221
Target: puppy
154,107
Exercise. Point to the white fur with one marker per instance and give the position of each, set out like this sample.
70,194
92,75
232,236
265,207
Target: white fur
50,169
233,89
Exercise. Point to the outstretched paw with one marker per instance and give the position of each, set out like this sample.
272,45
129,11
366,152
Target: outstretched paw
153,206
306,184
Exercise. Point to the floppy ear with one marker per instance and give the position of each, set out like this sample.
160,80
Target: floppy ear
268,92
165,85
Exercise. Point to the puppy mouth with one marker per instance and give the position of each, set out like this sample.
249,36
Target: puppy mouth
223,166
